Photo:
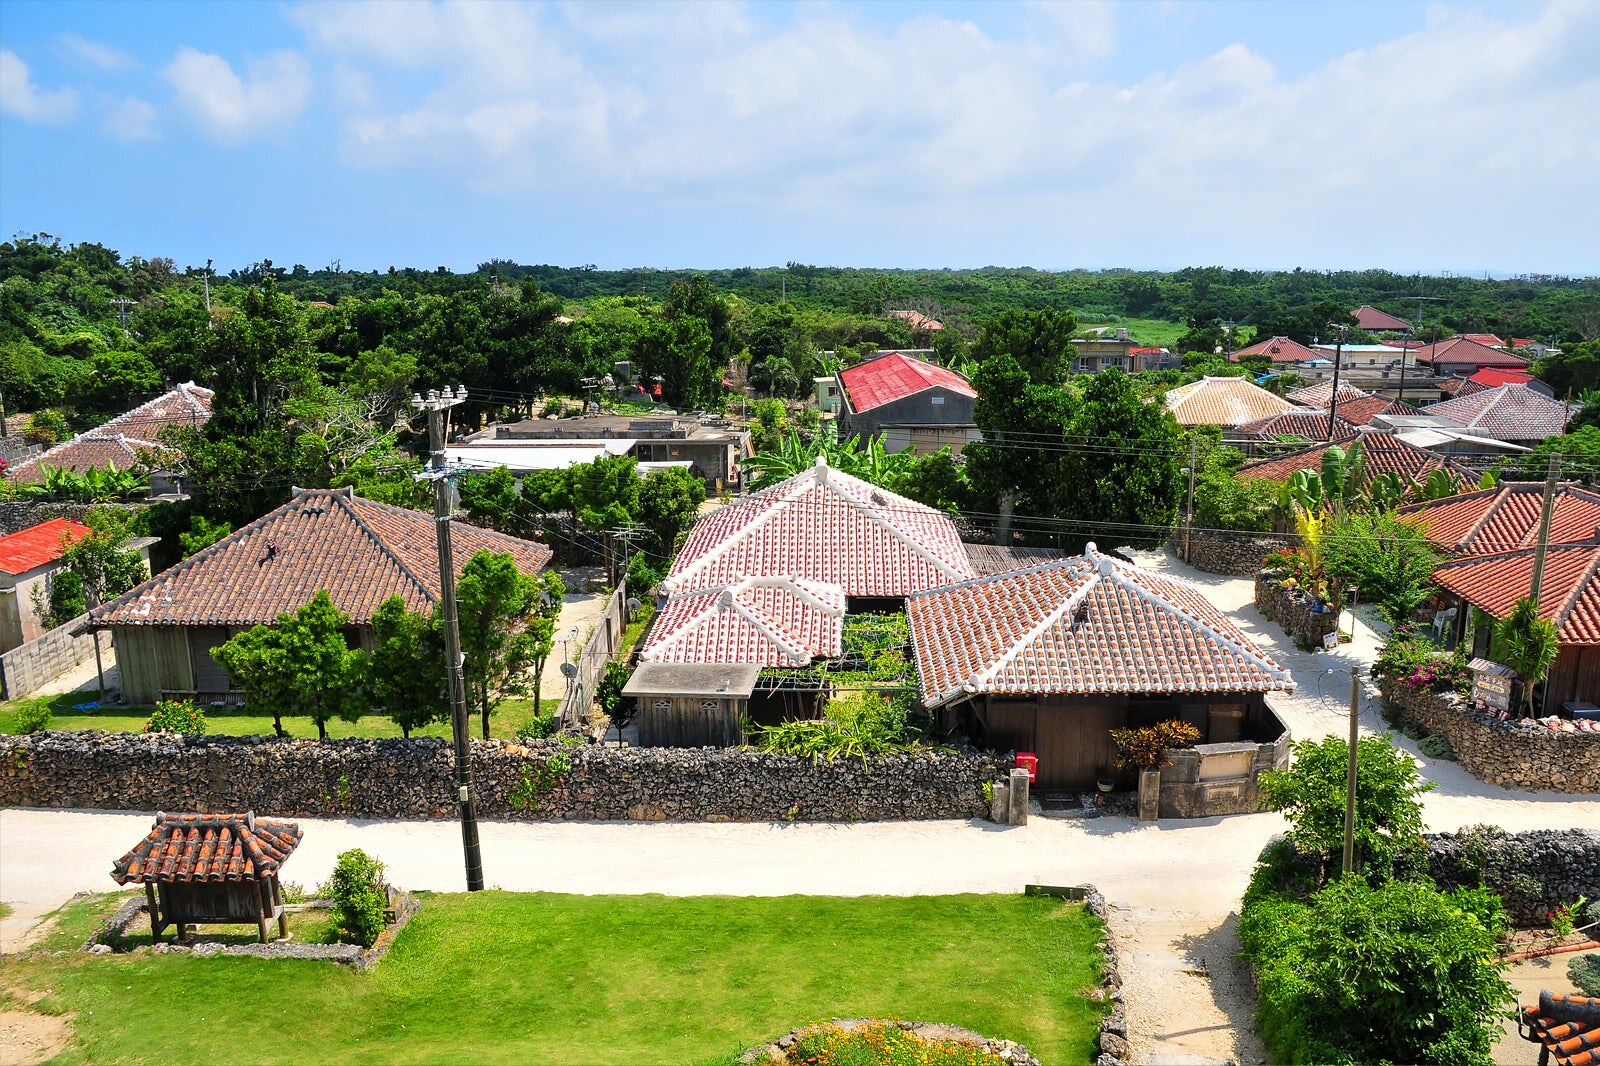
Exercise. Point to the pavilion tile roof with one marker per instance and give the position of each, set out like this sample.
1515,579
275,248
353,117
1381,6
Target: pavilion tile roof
1223,402
37,545
1304,422
1569,597
766,621
1279,350
1385,452
1507,517
1509,412
1087,624
826,526
894,377
127,440
1370,318
1317,395
360,551
1464,351
208,847
1567,1027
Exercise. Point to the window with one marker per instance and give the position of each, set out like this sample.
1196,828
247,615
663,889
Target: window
938,401
710,706
661,705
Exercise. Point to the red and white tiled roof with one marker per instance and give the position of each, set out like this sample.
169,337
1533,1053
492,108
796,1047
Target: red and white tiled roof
1225,401
766,621
1569,594
130,440
1088,624
826,526
1318,395
1385,452
1507,517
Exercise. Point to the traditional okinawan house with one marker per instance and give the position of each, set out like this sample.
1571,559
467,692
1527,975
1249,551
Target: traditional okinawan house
1302,423
131,441
1373,320
1463,356
1384,453
1281,350
204,869
1225,402
703,642
1506,518
360,551
1569,598
912,403
1517,414
829,527
1052,658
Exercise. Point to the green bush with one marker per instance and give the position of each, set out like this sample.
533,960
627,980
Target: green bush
1437,746
176,716
1584,971
539,727
857,725
356,890
33,717
882,1044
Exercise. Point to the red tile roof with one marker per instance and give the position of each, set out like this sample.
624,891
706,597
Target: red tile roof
37,545
1568,1027
767,621
918,321
1509,412
1279,350
1455,387
361,551
125,440
1506,518
1087,624
827,526
894,377
208,847
1571,588
1223,402
1487,339
1301,422
1369,317
1385,452
1317,395
1361,412
1464,351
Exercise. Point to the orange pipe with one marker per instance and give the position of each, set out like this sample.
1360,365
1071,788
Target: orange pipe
1539,953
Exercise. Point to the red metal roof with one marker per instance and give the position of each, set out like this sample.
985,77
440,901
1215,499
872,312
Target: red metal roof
208,847
37,545
1087,624
1570,596
826,526
360,551
1496,376
1507,518
1369,317
766,621
894,377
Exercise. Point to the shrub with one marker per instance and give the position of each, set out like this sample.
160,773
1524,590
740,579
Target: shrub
176,716
538,728
1437,746
861,724
642,577
33,717
356,890
882,1044
46,427
1584,971
1145,748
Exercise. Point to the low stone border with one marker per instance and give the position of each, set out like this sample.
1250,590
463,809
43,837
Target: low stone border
1291,610
1512,753
1228,552
404,904
1114,1047
1008,1050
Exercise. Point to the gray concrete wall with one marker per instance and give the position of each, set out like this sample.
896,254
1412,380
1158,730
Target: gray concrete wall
28,668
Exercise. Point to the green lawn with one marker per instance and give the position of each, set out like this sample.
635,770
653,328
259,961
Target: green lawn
541,978
1158,332
507,718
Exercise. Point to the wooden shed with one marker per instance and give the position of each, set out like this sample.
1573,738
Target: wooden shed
211,869
692,705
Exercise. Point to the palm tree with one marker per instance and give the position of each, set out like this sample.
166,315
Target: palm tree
1530,647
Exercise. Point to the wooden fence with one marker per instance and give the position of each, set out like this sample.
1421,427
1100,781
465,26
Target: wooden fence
591,664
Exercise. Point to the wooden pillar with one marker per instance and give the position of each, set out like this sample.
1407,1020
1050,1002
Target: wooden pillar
283,915
155,912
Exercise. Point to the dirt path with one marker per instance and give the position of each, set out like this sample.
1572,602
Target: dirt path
28,1037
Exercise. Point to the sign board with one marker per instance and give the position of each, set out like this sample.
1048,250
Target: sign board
1491,684
1330,641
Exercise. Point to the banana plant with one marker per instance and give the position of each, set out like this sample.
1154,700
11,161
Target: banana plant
1387,490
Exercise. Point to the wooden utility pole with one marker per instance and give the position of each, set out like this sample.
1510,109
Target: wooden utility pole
1338,358
436,405
1349,863
1536,585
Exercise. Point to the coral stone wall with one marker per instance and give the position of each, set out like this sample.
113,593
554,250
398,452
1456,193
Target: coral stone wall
1291,609
397,778
1513,754
1227,552
1561,865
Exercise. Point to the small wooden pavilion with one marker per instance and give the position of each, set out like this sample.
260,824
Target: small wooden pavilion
212,869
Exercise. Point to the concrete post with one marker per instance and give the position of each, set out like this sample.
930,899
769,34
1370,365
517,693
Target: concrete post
1149,795
1000,803
1019,797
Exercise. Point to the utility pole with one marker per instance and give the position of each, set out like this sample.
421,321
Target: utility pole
4,432
1338,358
1349,863
122,303
1188,510
436,405
207,279
1536,585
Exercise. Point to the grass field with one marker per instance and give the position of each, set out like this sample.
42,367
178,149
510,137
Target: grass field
540,978
1158,332
507,718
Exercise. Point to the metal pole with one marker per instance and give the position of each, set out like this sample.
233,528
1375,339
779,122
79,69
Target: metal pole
1188,511
1349,863
435,406
1405,349
1338,357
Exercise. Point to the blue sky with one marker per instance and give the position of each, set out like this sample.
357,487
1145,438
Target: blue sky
1435,137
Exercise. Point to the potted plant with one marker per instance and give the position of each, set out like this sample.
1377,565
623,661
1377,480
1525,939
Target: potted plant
1145,750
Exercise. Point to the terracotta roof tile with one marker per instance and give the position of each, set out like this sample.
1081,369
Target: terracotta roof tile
37,545
1567,1026
1370,318
1279,350
1087,624
208,847
1509,412
917,320
361,551
894,377
1223,402
1317,395
1385,452
1361,412
1506,518
1464,351
767,621
826,526
1571,592
1301,422
125,440
1455,387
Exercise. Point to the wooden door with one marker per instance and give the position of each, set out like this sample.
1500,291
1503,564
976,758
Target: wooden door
1075,744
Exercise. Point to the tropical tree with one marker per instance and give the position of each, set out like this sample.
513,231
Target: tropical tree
498,606
299,664
1388,559
1529,645
406,668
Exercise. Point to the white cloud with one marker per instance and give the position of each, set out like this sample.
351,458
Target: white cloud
20,97
96,54
235,109
131,119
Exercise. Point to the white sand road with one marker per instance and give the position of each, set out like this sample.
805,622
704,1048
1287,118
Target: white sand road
1174,885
